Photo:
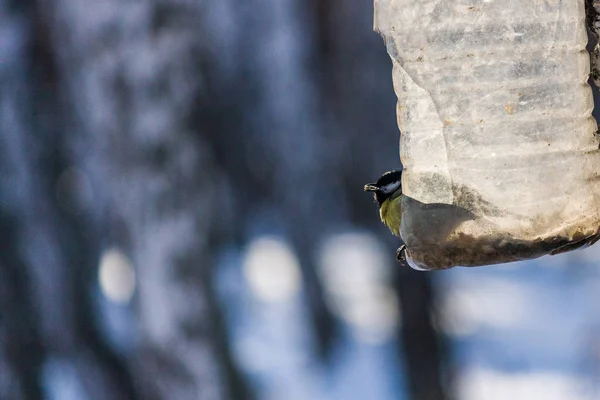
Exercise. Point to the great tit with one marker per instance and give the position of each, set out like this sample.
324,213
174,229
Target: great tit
388,194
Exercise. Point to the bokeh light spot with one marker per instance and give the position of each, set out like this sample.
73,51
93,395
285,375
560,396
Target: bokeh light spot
272,270
116,276
356,276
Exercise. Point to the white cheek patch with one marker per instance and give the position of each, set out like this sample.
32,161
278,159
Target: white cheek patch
390,187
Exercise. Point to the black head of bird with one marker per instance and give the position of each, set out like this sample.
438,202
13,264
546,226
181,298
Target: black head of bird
386,187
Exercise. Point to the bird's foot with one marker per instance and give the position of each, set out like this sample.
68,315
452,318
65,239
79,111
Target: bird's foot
401,255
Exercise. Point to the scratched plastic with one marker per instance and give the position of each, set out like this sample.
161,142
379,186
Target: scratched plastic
498,144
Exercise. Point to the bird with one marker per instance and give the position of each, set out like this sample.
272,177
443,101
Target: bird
387,192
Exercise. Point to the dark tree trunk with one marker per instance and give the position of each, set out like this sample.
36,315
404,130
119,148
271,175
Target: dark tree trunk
425,351
108,89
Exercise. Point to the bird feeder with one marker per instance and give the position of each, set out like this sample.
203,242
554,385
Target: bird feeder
498,142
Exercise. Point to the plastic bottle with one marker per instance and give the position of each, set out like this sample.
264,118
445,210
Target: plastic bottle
498,143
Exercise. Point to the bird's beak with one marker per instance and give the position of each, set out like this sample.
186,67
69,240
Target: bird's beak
371,187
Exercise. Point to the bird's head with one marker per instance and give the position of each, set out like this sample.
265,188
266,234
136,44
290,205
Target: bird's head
388,186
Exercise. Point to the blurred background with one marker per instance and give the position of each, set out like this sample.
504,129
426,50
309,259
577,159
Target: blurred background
182,217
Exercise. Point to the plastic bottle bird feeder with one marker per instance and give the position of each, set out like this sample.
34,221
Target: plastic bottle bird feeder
498,143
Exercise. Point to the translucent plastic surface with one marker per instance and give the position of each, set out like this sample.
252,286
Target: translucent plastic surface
497,141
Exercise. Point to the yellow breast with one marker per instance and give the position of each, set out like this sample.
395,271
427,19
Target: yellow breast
391,214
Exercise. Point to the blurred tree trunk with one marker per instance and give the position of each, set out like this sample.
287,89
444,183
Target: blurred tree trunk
426,358
107,88
266,132
135,71
47,254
